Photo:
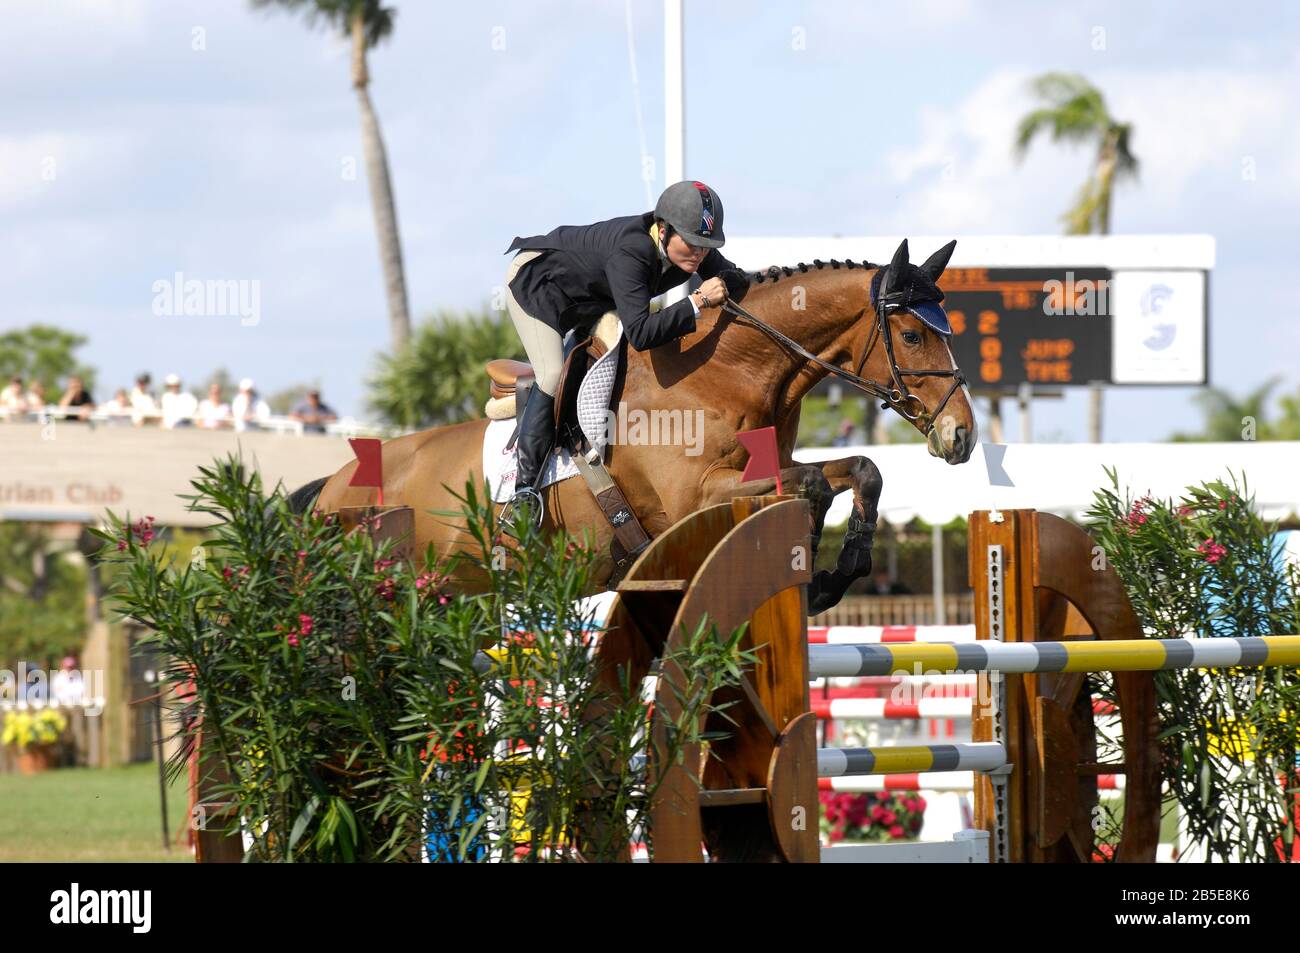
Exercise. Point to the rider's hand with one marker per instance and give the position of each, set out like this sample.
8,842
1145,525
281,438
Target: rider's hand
713,291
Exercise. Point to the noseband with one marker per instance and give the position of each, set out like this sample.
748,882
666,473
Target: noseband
902,400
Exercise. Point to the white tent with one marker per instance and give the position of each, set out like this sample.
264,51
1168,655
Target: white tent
1062,478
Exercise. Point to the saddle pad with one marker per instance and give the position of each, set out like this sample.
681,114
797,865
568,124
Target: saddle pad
593,400
499,464
594,393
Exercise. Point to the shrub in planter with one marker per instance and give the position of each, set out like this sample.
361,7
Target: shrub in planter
34,733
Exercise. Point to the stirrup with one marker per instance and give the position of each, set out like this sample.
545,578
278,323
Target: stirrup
526,493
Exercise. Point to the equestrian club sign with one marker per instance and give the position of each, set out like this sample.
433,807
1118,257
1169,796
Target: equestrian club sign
1053,311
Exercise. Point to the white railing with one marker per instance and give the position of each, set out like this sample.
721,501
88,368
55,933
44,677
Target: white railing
276,423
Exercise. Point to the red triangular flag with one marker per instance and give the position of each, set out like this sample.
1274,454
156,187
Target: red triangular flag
370,464
764,460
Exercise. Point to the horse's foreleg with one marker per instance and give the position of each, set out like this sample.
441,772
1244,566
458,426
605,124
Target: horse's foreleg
854,562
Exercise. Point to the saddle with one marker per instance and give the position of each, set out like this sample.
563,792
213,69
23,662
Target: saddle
509,383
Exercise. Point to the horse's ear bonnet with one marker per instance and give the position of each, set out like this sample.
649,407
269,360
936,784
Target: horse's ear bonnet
916,289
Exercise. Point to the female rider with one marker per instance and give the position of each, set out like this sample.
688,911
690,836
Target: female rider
576,273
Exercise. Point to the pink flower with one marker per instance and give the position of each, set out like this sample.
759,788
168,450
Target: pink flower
896,831
293,640
1212,551
144,529
305,624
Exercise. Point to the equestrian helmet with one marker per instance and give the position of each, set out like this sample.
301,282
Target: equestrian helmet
694,211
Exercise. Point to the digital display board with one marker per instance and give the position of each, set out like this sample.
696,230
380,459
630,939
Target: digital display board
1049,327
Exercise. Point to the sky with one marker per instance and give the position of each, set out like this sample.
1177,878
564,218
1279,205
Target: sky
142,138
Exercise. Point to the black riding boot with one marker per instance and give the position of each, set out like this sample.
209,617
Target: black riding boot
536,436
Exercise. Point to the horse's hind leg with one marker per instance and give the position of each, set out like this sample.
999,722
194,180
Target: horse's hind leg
854,562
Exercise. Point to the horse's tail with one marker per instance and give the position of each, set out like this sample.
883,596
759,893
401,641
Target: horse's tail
301,499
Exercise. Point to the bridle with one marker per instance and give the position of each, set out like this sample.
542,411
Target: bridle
898,396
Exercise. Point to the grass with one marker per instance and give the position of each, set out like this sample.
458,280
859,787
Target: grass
89,815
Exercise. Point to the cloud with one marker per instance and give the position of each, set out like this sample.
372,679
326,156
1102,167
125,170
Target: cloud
1191,127
53,167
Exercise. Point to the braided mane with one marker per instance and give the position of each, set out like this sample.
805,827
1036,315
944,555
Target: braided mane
777,273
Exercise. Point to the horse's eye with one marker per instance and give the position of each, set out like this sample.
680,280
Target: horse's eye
911,337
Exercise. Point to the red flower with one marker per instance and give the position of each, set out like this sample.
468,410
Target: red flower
305,624
896,832
1212,551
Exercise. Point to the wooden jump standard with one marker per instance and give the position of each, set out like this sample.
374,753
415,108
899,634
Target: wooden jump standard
754,796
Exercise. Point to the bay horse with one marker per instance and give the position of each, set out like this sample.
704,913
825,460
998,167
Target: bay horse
745,368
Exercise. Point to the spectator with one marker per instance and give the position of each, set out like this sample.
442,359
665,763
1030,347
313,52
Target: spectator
13,402
881,586
119,406
844,436
249,410
314,414
178,407
76,396
143,406
213,411
68,686
36,400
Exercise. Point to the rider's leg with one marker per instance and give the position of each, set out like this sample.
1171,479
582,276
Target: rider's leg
537,420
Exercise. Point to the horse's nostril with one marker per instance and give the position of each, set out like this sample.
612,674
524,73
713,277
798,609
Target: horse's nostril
962,440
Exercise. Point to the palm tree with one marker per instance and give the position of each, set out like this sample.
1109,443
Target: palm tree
1225,413
367,22
1075,112
439,378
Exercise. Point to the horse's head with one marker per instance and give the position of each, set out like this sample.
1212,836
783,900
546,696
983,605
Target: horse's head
905,348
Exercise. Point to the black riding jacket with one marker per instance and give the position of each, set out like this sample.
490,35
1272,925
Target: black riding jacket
587,270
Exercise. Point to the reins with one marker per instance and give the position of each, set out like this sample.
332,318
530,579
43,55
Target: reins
898,397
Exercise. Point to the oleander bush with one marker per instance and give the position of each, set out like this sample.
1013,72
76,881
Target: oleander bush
1207,565
348,703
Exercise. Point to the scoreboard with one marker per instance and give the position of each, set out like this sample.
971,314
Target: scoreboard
1042,326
